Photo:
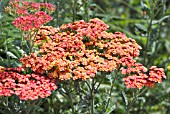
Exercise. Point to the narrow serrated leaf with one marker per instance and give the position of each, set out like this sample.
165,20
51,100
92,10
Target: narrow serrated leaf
20,50
111,109
11,55
124,97
160,20
141,27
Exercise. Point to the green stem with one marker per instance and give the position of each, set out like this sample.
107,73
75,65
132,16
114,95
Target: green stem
71,102
74,10
159,34
24,41
31,39
86,15
88,85
111,89
99,84
28,110
57,13
91,94
101,78
6,103
134,99
92,97
63,94
31,44
148,39
152,15
37,103
68,90
6,50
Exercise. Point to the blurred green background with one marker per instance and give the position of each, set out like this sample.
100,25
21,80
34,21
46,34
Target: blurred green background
146,21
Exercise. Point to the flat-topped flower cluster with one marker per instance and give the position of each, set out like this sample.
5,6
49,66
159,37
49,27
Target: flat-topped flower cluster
26,86
30,15
79,50
75,51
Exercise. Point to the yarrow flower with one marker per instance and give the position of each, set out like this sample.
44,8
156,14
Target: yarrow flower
139,76
79,50
26,86
31,21
20,8
156,74
31,15
98,51
69,54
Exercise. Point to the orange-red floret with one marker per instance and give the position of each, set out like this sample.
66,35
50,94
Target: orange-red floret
27,87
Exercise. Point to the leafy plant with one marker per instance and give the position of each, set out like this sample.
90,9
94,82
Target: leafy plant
87,44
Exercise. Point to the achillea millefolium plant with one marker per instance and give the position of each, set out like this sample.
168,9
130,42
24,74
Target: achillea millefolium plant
74,51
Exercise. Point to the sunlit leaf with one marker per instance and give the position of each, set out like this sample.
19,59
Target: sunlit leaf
124,97
11,55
